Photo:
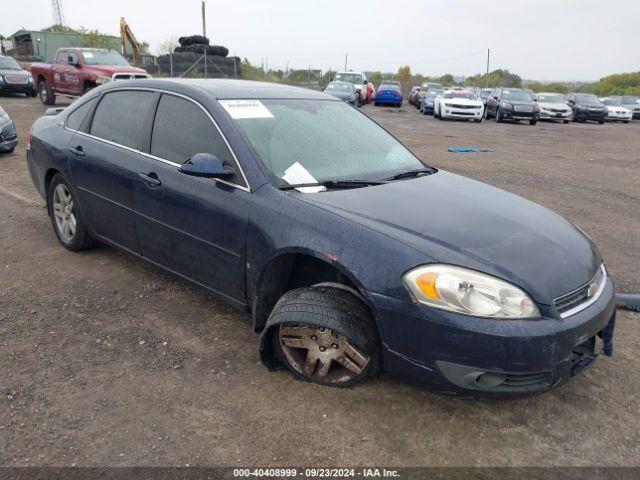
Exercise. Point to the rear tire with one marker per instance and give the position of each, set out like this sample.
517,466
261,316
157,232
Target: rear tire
533,122
47,96
64,212
329,336
566,121
498,116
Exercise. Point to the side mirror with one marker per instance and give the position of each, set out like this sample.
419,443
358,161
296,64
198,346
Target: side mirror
73,61
571,102
206,165
495,97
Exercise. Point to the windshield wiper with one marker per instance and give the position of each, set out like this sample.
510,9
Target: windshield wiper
410,173
334,184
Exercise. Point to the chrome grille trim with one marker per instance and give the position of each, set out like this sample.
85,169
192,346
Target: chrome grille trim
578,293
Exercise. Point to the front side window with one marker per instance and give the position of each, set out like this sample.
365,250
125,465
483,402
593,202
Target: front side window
329,139
75,118
181,129
350,77
121,116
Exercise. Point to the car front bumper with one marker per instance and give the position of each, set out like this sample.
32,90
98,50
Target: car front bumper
618,117
480,357
548,115
595,116
462,113
17,88
516,115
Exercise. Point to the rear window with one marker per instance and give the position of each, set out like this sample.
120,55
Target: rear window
389,86
121,116
75,118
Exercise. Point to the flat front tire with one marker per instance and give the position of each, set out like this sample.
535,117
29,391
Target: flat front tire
64,212
325,335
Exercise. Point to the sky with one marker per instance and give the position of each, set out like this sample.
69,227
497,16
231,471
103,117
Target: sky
572,40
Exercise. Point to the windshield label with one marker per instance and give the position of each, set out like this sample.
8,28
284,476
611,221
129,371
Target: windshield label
296,174
239,109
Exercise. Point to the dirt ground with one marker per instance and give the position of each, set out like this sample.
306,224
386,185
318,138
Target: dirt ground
106,361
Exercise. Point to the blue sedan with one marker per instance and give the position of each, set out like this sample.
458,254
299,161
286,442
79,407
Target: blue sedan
349,253
389,94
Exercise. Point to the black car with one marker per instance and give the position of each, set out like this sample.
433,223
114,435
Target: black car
344,91
587,106
8,135
15,79
512,104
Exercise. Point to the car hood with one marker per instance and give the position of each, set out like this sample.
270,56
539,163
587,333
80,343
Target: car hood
463,101
8,71
111,69
456,220
341,95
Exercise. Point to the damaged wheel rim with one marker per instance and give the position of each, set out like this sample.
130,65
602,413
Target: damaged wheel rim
321,354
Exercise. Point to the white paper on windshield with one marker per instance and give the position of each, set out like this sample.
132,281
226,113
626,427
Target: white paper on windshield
296,173
239,109
87,54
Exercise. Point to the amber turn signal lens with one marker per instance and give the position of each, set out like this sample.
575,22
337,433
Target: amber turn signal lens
427,285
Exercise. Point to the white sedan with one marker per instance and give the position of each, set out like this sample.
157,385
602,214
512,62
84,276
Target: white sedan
461,104
553,106
616,112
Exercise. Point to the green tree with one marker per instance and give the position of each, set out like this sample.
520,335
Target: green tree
404,77
619,84
497,78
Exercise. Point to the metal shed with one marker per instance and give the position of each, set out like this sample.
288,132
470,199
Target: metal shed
42,46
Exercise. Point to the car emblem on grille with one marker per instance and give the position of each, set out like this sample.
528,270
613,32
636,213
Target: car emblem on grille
593,288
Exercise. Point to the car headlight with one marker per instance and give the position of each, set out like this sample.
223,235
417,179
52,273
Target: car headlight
29,78
506,105
103,79
4,119
468,292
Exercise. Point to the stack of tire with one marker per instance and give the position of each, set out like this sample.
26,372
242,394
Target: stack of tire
191,49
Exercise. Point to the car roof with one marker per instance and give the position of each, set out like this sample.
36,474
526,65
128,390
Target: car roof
222,88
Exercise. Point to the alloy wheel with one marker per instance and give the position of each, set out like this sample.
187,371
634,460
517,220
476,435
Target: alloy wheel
321,354
63,212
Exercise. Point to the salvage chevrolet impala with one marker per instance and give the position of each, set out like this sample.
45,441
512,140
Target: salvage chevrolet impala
350,253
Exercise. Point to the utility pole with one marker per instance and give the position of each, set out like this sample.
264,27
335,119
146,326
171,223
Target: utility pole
488,56
309,76
204,34
346,58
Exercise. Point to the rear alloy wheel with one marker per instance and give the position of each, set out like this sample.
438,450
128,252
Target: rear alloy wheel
498,115
533,122
65,218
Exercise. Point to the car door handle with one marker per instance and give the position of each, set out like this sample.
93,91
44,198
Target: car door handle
77,150
150,179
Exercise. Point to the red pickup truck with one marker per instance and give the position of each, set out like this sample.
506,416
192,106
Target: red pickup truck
74,71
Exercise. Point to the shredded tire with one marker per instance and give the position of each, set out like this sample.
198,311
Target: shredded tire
336,309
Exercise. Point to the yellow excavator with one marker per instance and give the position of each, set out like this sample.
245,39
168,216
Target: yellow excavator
126,35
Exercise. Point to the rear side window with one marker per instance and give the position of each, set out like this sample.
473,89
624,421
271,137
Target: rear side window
120,117
182,129
75,118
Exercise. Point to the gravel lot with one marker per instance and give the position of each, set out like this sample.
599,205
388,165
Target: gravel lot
105,360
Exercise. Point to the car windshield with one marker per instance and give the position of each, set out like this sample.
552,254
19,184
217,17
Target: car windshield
611,102
100,57
630,100
340,87
9,63
350,77
551,98
586,98
485,94
328,139
460,94
517,95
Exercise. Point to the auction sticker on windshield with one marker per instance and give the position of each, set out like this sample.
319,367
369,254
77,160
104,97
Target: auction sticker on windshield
239,109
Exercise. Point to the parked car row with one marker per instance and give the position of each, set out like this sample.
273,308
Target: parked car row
518,104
